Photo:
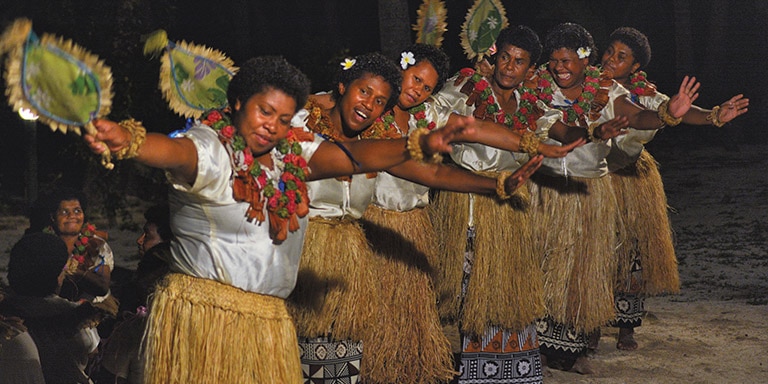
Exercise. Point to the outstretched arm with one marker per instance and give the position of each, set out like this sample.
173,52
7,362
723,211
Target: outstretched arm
572,134
178,156
377,155
645,119
451,178
727,111
498,136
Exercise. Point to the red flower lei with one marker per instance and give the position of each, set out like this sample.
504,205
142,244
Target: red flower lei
640,86
419,112
591,100
486,108
87,232
286,197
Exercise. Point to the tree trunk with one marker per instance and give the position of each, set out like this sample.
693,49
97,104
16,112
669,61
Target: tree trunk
394,26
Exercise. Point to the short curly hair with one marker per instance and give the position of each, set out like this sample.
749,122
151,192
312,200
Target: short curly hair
35,264
636,41
522,37
434,56
264,72
160,215
375,64
571,36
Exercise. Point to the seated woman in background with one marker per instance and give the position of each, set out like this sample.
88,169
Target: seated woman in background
61,329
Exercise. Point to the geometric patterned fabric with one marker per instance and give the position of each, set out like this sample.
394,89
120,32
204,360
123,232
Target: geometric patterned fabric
326,361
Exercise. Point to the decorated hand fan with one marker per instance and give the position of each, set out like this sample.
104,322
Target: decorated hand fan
482,26
430,25
193,78
65,85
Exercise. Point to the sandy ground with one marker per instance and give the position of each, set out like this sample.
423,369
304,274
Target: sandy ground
716,329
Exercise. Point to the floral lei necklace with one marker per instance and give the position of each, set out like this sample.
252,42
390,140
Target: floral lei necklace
486,108
87,232
640,86
583,104
385,126
285,195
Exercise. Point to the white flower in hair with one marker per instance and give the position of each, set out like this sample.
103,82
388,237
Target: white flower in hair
583,52
406,59
347,63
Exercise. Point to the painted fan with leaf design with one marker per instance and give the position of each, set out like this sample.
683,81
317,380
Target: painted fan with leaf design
483,23
61,82
193,78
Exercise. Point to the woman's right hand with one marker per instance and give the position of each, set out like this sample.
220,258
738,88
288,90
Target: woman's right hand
110,135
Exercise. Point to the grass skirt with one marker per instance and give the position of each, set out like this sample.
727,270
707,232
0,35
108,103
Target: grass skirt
203,331
648,236
334,293
505,288
577,223
405,343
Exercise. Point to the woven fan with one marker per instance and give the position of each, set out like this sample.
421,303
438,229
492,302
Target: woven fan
484,21
193,78
62,83
430,24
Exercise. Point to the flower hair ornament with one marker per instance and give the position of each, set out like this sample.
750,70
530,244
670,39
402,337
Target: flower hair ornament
492,50
583,52
347,63
406,59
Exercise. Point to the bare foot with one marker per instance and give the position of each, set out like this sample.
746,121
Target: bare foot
626,340
583,366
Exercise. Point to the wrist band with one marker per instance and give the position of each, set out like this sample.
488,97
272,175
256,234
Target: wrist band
501,190
138,135
413,144
529,144
714,117
665,117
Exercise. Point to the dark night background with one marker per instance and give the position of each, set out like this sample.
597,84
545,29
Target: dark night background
720,42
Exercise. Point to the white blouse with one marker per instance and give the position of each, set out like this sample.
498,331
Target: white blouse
396,194
588,160
213,238
626,149
333,198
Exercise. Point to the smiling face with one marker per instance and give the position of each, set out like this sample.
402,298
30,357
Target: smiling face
620,60
264,119
68,218
513,65
362,102
566,68
419,82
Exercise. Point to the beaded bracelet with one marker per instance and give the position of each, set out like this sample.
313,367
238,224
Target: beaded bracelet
665,117
414,147
138,135
529,144
714,117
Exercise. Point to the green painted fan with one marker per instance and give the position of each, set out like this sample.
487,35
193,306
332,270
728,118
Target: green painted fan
62,83
193,78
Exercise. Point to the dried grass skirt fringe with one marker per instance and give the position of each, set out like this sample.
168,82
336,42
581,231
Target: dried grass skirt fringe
203,331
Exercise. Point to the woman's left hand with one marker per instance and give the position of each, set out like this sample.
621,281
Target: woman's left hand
680,103
733,108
